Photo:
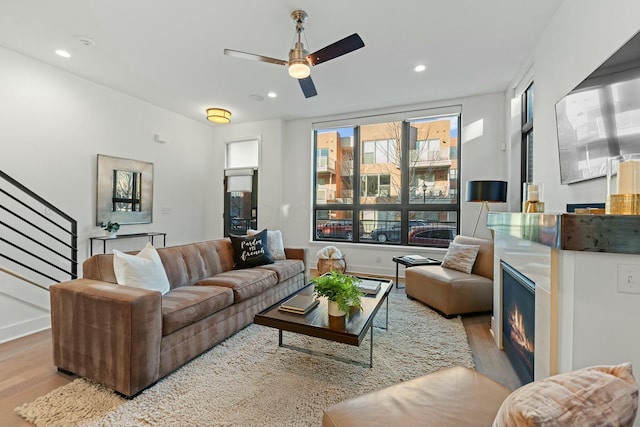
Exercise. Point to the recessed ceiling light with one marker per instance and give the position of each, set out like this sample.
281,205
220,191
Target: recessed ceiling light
272,94
63,53
256,97
420,68
86,41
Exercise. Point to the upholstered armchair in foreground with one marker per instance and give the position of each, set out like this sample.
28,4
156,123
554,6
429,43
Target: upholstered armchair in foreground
604,395
462,284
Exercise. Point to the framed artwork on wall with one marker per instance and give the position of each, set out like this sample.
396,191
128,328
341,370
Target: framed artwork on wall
124,191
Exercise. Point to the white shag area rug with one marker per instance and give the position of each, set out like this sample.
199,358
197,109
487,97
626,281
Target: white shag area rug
248,380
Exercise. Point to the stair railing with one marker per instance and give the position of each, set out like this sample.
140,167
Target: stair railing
27,235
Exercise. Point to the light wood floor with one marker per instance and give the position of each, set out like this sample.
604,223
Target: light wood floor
27,370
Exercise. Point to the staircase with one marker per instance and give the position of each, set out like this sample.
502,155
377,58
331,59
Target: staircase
38,242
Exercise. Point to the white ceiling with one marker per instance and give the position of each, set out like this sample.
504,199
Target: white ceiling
169,52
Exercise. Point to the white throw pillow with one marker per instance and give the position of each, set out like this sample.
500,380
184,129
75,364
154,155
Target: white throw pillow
144,270
275,244
460,257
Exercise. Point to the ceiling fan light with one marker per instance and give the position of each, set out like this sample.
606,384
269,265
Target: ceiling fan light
218,115
299,70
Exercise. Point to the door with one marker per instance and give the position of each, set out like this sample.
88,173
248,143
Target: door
240,204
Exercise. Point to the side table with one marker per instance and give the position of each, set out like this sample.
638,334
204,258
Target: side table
412,261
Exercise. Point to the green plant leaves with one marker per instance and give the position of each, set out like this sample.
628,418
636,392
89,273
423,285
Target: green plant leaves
110,226
339,287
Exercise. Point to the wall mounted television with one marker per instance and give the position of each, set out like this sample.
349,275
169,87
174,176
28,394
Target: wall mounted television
600,118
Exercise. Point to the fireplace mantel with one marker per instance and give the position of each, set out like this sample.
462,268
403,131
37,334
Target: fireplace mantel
578,263
571,232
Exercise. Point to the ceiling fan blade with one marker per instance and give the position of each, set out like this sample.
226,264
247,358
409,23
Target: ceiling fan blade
307,86
334,50
254,57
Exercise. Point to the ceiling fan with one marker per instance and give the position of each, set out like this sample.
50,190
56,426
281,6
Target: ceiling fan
300,59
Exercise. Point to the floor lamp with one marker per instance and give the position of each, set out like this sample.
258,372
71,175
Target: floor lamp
486,192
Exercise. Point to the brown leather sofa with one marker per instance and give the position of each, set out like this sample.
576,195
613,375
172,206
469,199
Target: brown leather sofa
453,292
127,338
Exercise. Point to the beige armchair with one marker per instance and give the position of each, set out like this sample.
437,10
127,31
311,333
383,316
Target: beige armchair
453,292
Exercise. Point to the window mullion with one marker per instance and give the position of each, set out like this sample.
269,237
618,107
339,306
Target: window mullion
357,180
404,182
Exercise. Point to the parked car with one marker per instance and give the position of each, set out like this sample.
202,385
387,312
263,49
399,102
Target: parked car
438,236
392,233
337,229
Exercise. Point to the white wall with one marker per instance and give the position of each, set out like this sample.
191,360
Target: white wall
581,36
52,126
603,324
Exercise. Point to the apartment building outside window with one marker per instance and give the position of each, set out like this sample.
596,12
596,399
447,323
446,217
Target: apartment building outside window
390,182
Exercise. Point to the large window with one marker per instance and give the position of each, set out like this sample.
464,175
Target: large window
392,182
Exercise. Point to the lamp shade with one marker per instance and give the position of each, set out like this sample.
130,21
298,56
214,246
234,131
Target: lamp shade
486,191
218,115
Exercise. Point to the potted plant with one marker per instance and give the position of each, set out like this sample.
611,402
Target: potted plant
110,228
341,290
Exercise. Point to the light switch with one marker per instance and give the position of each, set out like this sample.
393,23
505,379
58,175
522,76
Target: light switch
629,278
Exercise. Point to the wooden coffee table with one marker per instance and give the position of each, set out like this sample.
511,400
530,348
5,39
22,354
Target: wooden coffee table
316,322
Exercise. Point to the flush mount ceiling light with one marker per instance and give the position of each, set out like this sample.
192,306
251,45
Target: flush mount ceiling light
86,41
63,53
218,115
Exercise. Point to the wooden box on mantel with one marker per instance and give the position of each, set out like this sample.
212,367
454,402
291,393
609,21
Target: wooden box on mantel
593,233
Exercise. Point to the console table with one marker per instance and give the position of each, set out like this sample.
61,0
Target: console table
104,239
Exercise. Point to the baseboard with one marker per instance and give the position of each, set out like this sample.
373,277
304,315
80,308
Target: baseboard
22,329
491,328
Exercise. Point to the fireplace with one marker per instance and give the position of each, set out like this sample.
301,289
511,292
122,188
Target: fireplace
518,320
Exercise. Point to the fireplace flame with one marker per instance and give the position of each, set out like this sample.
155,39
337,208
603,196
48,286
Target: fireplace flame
518,333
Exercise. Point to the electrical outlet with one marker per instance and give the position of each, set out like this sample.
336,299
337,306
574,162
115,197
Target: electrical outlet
166,211
629,278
